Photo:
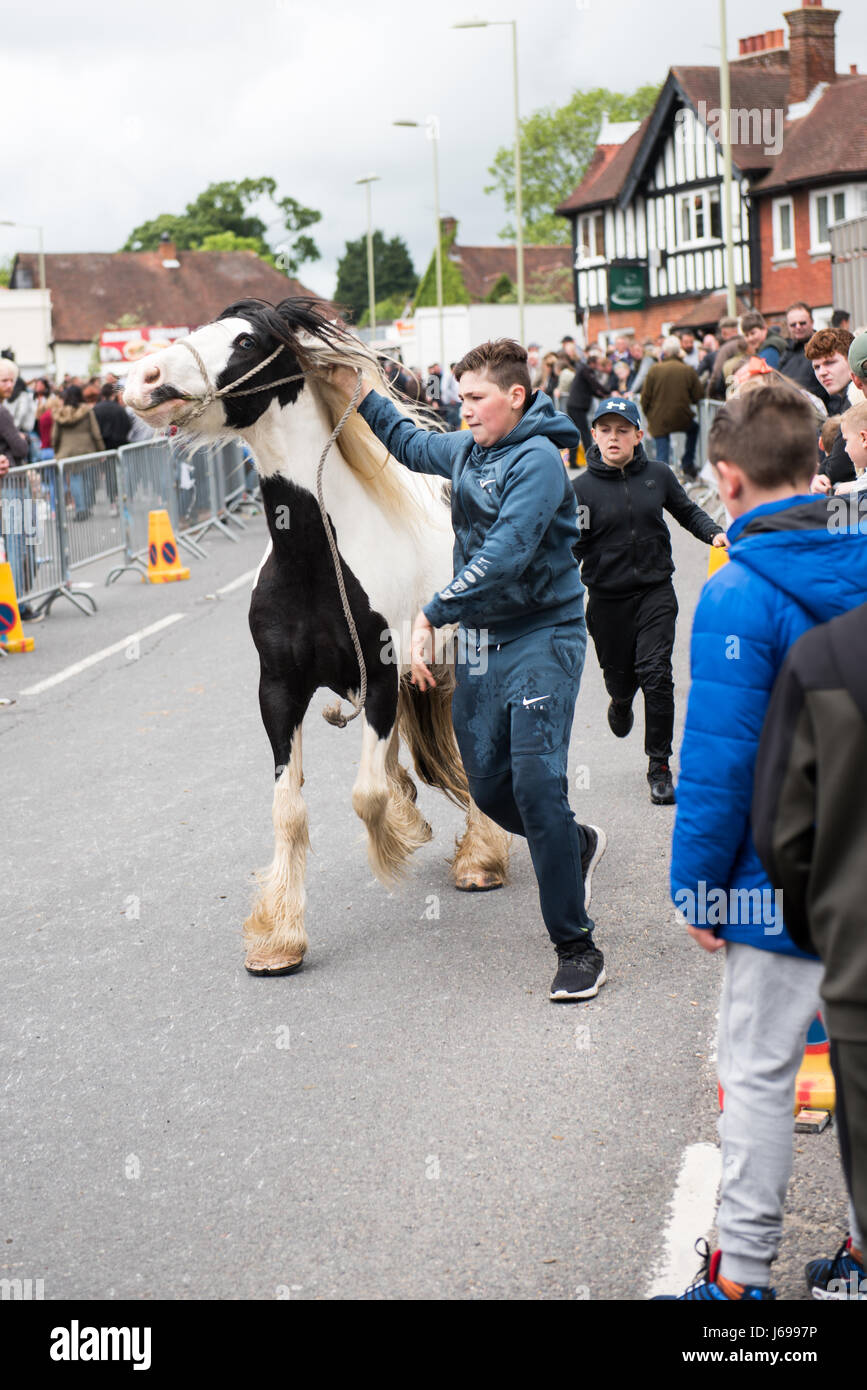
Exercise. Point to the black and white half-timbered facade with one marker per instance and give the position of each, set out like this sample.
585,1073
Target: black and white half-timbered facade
647,218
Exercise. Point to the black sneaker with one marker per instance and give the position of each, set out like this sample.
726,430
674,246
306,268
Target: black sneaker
661,785
580,974
596,842
620,718
840,1277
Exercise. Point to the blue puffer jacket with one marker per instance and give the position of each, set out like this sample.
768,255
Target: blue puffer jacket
793,564
514,516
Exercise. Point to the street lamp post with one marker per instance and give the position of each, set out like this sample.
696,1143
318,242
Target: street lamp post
432,130
726,104
367,180
32,227
519,207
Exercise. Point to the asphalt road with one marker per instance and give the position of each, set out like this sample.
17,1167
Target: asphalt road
409,1117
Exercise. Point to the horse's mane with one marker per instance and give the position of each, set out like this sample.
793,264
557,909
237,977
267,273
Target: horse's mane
320,340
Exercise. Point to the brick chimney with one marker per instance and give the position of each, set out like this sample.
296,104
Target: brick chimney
167,252
812,56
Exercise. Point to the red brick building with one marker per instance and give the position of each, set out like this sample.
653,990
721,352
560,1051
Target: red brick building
647,239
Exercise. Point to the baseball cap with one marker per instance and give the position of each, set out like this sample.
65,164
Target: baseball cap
858,356
616,405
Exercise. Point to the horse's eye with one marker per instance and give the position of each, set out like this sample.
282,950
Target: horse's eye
246,343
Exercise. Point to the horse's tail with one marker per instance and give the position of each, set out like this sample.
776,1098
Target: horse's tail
425,721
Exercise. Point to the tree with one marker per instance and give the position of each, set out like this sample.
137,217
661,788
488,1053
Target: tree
454,289
223,209
393,273
230,241
387,310
556,146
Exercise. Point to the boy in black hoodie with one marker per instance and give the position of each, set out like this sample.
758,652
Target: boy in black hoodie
625,550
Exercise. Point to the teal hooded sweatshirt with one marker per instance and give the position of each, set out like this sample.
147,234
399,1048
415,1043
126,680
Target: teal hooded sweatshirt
513,513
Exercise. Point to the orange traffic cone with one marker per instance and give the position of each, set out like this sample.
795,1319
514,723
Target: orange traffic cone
814,1086
12,637
163,563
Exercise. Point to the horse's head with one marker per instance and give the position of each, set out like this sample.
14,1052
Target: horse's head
196,390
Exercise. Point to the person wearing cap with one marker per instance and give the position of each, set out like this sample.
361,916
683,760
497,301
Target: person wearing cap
625,553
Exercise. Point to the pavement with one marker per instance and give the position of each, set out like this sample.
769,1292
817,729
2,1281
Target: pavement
407,1118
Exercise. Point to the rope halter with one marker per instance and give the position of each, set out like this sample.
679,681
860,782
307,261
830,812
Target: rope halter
212,394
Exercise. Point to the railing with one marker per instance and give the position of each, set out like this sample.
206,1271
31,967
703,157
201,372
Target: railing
60,515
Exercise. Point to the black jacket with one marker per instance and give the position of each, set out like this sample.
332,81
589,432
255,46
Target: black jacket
625,545
838,466
809,814
114,423
799,368
12,441
585,385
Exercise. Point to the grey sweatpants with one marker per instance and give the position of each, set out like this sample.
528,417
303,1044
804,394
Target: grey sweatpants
768,1003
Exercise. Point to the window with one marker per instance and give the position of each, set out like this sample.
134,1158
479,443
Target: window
784,229
591,236
698,216
831,206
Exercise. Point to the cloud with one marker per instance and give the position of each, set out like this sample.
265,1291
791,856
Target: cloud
131,111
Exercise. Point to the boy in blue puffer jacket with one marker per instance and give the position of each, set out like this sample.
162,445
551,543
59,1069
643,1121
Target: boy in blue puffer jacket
794,562
517,588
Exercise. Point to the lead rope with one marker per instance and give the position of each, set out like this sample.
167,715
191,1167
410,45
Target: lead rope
332,713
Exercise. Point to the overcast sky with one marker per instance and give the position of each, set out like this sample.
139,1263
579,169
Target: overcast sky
116,113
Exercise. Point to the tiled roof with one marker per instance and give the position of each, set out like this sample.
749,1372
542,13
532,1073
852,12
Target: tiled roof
92,289
709,310
831,141
605,174
482,266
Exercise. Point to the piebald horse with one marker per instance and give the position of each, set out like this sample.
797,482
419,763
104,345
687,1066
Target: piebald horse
264,372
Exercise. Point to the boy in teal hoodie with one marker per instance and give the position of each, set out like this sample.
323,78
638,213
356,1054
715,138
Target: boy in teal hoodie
517,586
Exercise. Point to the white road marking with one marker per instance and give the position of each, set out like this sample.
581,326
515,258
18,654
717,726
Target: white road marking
238,583
692,1215
92,660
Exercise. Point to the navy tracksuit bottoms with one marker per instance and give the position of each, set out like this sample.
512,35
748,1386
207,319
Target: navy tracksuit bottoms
512,719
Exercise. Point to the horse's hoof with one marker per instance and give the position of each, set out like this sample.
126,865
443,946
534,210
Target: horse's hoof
479,882
258,963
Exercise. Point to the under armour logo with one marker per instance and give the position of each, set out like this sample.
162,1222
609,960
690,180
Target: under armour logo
615,405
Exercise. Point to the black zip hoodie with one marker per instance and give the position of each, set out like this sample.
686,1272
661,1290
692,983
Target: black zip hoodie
625,545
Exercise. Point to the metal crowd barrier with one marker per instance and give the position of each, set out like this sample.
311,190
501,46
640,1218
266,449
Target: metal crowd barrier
195,487
707,410
62,514
35,511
